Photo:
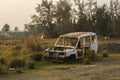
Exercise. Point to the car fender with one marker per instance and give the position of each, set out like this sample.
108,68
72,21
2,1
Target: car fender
70,52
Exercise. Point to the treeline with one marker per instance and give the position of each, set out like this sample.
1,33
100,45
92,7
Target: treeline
55,18
52,19
7,34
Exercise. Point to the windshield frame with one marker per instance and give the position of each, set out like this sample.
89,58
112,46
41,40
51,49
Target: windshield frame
63,44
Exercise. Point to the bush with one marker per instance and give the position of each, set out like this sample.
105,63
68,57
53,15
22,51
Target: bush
36,56
90,54
86,61
15,62
17,47
19,70
105,53
3,69
33,44
11,53
2,61
31,65
24,51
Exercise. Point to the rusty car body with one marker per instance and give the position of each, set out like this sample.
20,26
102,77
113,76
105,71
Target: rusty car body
72,46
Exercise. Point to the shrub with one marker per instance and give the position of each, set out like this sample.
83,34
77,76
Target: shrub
36,56
24,51
3,69
2,61
105,53
17,47
11,53
14,53
90,54
18,70
31,65
16,62
33,44
86,61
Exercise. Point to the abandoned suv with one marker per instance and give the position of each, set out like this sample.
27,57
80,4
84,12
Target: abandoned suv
72,46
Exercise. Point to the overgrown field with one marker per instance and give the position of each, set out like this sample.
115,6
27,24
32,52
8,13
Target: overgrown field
22,60
103,69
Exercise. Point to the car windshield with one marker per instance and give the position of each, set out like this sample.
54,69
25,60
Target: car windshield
67,41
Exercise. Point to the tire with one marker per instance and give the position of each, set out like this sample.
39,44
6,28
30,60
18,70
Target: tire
71,59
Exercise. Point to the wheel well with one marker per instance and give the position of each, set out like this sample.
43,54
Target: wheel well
73,55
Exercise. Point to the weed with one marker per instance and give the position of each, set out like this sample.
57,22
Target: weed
90,54
36,56
33,44
18,70
30,65
2,60
86,61
105,54
16,62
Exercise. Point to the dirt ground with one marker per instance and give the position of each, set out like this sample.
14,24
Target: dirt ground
104,69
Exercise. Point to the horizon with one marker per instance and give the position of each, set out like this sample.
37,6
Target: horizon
18,12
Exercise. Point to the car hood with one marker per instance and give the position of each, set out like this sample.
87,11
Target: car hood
59,49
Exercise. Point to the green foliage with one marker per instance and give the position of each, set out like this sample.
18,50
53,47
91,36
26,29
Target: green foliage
24,51
17,48
60,18
16,29
31,65
105,53
18,70
36,56
2,60
102,21
6,28
86,61
3,69
90,54
11,53
63,16
16,62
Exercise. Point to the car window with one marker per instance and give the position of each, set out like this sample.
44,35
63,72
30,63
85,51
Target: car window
93,39
87,41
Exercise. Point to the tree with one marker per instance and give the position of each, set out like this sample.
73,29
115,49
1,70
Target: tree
81,7
92,8
6,28
42,21
114,13
82,17
102,19
16,29
31,28
63,16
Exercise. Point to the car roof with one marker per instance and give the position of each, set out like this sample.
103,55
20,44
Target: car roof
78,34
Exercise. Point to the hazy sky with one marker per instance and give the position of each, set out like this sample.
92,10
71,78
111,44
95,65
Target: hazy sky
18,12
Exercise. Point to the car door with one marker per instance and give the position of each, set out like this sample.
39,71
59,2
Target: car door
94,43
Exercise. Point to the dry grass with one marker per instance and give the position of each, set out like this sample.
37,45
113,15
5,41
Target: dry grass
104,69
109,41
46,43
